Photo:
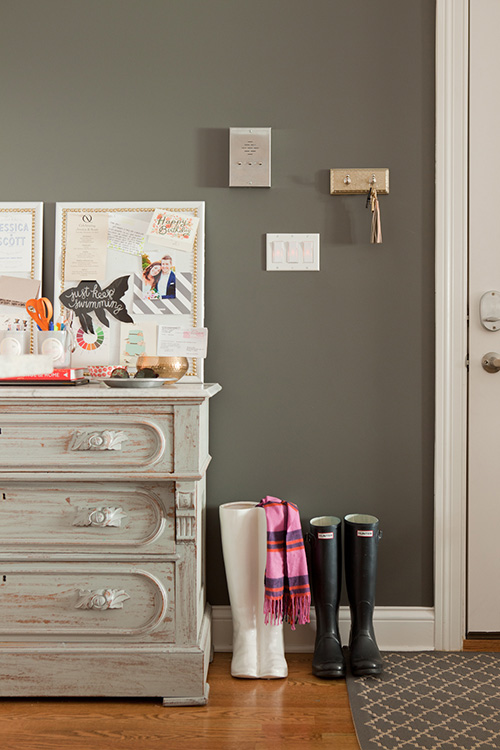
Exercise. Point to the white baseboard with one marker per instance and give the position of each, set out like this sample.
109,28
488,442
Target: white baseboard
396,629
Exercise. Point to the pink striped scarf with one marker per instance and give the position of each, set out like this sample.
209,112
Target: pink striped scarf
287,593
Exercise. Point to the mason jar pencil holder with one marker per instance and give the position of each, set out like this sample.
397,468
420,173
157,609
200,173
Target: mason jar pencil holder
57,345
14,342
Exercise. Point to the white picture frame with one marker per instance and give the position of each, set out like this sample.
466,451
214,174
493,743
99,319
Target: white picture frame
186,309
21,229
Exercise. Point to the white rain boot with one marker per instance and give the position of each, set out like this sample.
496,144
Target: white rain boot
258,649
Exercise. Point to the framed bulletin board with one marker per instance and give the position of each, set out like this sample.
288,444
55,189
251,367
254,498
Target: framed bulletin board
21,227
124,269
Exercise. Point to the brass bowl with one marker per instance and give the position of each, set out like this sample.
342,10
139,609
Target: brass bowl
169,368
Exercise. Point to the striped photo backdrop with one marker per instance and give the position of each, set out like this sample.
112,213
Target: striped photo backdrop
181,305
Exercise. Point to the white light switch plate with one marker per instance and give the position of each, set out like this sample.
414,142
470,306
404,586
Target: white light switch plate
249,157
292,252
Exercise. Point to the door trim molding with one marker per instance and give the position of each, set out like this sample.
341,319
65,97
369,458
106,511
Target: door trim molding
452,61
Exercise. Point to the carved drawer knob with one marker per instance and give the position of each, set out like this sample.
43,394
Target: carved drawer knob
99,517
101,599
98,601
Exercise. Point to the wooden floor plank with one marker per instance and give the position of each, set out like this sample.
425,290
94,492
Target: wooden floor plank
298,712
480,644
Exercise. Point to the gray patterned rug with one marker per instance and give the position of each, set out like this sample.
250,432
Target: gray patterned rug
430,699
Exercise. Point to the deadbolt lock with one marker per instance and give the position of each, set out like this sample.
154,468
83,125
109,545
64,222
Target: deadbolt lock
489,310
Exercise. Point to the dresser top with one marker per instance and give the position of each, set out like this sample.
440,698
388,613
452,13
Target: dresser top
179,392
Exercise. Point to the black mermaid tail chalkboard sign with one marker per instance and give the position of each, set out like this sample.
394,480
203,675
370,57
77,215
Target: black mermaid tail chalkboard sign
89,297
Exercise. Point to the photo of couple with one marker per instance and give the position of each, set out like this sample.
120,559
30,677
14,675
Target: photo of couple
158,279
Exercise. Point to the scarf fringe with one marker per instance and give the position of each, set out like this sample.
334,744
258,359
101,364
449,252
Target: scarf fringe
291,609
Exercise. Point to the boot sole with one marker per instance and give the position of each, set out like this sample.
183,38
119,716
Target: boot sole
329,674
362,672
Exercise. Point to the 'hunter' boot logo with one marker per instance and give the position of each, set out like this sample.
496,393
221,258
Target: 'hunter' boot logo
365,532
325,534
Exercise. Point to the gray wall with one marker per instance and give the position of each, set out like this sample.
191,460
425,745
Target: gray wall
327,377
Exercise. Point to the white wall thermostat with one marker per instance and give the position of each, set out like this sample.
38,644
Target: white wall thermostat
249,157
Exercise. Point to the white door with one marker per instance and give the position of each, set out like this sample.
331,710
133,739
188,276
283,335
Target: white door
483,610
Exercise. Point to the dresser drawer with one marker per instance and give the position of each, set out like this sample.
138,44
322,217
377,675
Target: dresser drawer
95,443
87,602
84,517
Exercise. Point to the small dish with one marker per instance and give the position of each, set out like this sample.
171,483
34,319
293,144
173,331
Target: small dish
137,382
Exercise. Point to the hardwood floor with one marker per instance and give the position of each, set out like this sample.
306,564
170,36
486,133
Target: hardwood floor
298,713
482,644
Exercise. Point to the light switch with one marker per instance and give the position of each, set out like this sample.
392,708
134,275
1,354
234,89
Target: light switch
292,252
308,251
278,252
249,157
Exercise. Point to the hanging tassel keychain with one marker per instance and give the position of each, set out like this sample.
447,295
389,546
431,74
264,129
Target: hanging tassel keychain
376,232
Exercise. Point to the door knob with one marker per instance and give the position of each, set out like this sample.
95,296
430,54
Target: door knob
491,362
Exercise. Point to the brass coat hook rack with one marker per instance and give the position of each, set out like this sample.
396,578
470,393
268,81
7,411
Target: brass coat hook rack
369,182
358,181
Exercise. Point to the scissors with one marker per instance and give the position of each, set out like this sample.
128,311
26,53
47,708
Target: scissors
41,312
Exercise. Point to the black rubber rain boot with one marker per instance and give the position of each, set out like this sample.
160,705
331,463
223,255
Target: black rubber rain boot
361,537
325,570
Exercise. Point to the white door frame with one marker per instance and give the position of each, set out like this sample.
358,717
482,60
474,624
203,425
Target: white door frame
450,492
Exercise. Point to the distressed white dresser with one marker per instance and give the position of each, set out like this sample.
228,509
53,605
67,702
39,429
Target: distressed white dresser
102,522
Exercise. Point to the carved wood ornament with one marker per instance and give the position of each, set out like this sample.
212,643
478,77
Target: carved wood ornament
185,527
101,599
105,440
99,517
